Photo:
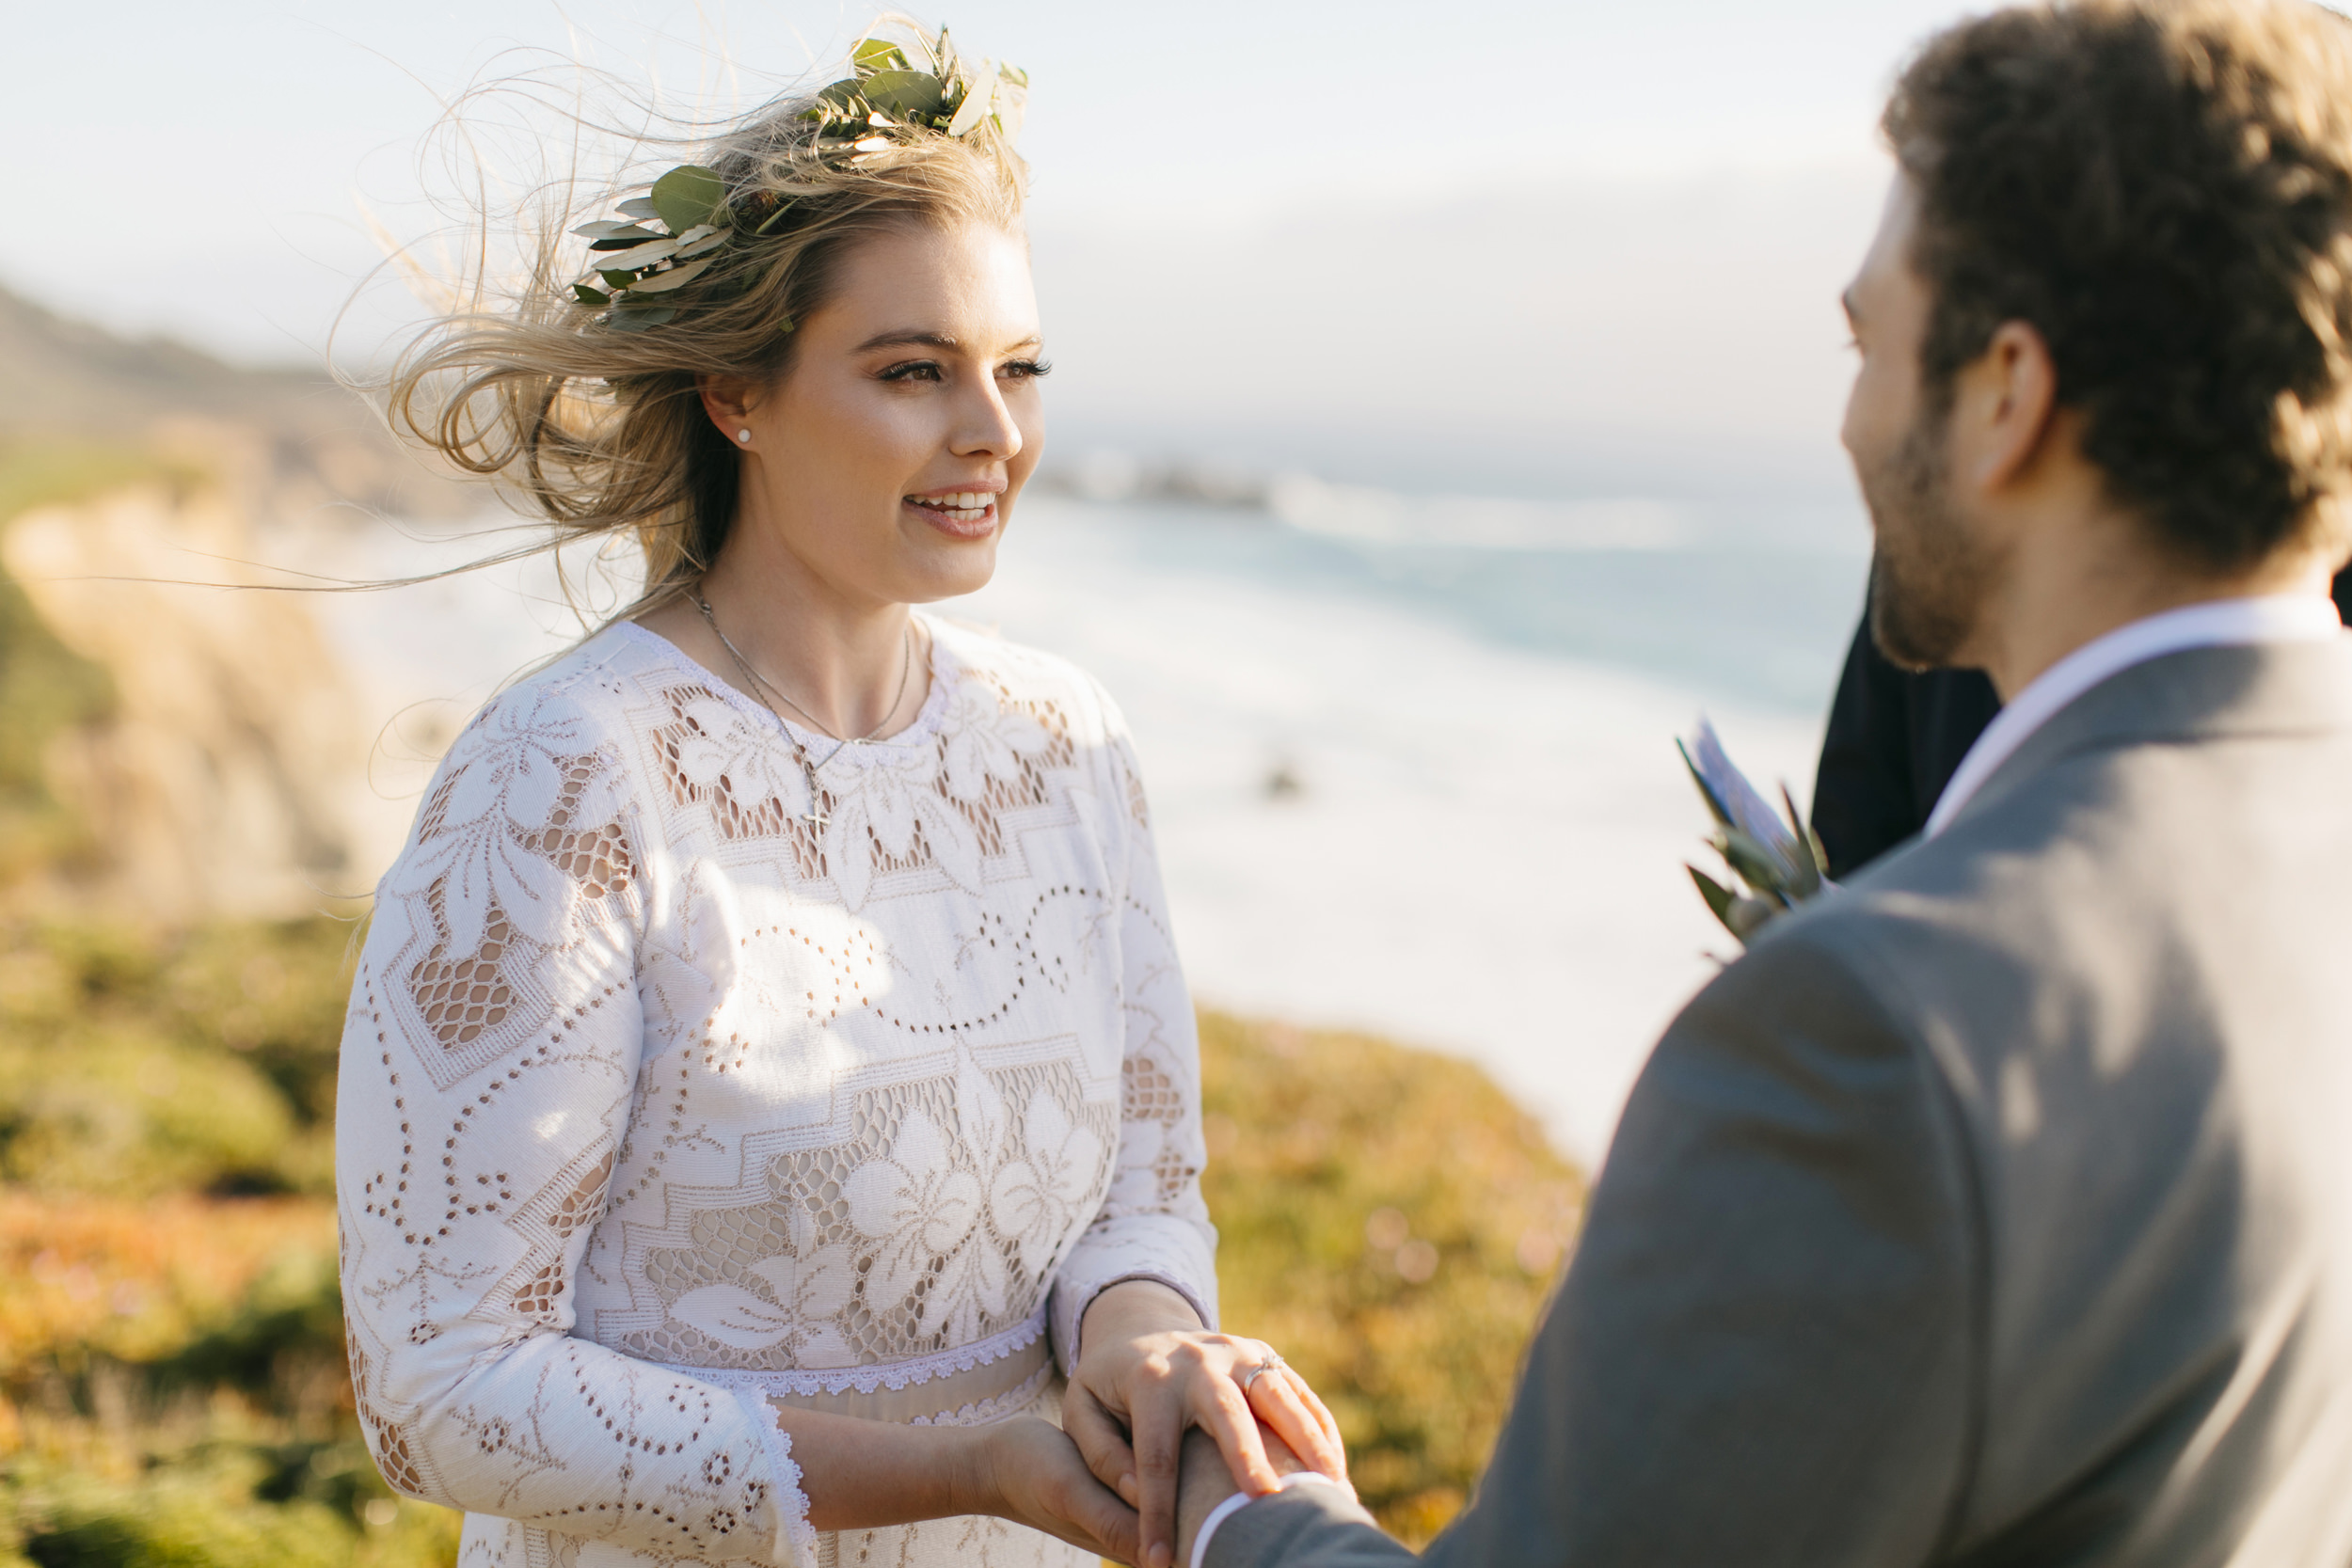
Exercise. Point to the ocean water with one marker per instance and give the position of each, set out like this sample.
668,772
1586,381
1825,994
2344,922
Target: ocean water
1411,762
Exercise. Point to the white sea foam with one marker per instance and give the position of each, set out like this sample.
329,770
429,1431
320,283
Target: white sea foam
1483,851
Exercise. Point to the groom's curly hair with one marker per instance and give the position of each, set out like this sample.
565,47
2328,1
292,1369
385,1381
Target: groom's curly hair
2164,191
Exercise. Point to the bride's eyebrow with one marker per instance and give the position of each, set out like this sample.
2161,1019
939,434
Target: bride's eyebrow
910,338
945,340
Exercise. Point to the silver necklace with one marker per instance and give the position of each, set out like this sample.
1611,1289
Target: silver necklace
768,696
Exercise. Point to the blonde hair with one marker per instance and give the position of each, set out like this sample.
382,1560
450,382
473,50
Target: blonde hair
598,427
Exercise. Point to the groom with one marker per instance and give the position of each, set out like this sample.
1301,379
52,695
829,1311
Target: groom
1999,1208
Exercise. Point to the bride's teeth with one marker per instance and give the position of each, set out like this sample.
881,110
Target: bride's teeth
967,506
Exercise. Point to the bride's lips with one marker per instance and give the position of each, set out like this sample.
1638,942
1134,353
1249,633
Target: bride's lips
957,513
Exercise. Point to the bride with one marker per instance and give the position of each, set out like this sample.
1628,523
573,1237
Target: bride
769,1097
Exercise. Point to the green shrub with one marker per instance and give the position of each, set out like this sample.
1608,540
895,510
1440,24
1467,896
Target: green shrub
222,1504
135,1062
1390,1222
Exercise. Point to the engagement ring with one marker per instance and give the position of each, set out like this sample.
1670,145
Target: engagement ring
1272,1363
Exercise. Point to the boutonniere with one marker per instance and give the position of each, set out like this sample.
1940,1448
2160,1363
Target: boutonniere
1778,863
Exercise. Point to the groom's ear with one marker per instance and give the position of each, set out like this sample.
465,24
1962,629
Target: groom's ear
2006,428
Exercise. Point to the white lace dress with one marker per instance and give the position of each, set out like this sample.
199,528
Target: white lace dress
662,1106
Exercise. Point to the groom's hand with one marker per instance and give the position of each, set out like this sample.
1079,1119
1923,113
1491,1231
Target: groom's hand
1204,1482
1146,1370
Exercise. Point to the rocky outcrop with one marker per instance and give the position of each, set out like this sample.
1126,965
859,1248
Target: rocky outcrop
231,777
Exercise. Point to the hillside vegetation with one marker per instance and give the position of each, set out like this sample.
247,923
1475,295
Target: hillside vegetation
171,1378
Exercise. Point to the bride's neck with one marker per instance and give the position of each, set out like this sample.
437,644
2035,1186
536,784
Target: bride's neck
842,658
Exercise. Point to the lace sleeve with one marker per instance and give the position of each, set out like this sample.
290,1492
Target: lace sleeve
489,1061
1154,1225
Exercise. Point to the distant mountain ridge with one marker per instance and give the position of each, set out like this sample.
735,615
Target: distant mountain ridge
287,438
61,376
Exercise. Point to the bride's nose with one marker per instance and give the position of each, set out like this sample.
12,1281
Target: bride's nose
985,426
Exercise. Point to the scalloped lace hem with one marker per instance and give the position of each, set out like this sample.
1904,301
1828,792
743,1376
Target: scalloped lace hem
1012,1402
893,1375
796,1542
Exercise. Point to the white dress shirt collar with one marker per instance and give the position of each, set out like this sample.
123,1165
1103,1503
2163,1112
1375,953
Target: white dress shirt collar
2216,623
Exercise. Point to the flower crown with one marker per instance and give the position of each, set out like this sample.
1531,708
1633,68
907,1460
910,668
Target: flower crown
885,99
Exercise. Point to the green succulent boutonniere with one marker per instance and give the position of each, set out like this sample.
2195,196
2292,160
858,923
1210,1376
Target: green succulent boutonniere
1780,862
635,268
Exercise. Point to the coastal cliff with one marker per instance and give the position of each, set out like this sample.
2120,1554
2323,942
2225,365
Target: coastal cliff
216,760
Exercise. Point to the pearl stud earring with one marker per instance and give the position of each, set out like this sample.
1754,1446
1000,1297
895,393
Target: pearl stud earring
745,437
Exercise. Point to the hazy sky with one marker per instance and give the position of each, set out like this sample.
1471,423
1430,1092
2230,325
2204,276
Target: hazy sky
1617,228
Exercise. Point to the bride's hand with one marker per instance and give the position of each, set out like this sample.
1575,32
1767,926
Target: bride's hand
1146,1372
1026,1471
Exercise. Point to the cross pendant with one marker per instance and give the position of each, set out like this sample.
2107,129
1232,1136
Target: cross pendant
816,819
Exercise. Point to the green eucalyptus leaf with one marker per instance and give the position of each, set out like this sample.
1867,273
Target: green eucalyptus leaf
587,295
640,256
660,282
872,54
689,194
618,280
906,92
702,242
627,236
843,96
604,229
626,318
639,207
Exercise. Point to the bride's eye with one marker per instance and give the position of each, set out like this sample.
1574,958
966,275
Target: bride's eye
1025,369
914,370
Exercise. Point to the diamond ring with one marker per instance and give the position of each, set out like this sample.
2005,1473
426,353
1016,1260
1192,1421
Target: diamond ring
1272,1363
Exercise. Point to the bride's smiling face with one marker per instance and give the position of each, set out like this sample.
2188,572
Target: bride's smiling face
888,456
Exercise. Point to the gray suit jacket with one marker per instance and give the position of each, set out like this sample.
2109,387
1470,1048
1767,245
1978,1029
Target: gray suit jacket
1995,1210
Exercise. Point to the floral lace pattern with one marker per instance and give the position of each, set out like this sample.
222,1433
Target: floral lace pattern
656,1063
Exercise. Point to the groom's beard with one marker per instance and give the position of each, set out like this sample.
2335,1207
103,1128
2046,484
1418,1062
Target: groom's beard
1928,578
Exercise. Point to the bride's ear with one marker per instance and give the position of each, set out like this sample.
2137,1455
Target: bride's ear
728,401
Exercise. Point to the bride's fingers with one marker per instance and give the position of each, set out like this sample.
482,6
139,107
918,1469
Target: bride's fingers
1159,1433
1274,1397
1100,1441
1103,1526
1330,1422
1221,1409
